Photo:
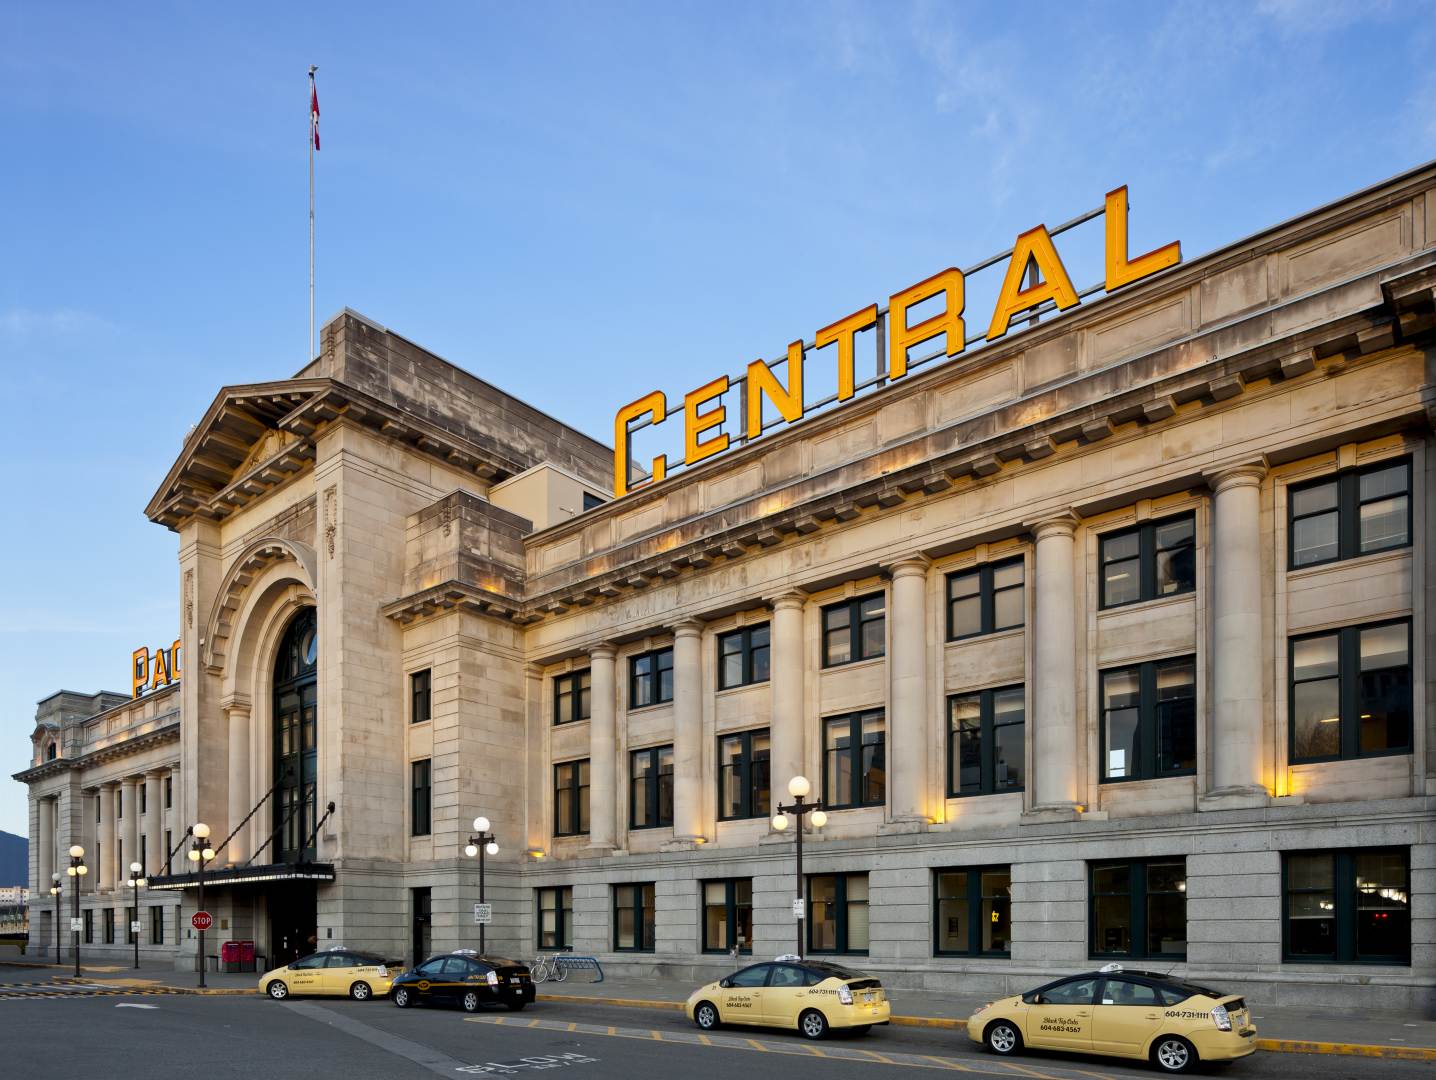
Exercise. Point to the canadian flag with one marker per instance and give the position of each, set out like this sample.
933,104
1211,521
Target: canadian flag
314,110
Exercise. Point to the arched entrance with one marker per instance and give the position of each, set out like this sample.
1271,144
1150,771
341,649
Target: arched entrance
293,911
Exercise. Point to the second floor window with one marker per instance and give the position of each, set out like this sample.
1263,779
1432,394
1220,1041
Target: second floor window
743,657
854,630
570,798
420,789
743,775
1351,692
169,792
1149,720
986,748
985,600
855,760
1355,512
650,793
650,678
1155,559
420,696
572,697
555,918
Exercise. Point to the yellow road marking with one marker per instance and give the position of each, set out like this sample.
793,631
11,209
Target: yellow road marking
946,1063
572,1026
1026,1071
704,1039
877,1057
756,1045
535,1023
657,1035
613,1031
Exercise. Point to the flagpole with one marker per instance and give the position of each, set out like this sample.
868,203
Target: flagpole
308,359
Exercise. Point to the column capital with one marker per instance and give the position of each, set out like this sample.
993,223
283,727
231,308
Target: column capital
915,564
1245,474
1062,523
108,785
691,627
534,671
789,598
602,650
235,703
159,772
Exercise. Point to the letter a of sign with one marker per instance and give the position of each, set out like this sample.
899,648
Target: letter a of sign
1053,284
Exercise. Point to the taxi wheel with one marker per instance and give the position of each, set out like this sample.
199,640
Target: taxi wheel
403,998
1173,1054
813,1024
277,990
706,1015
360,991
471,1001
1003,1038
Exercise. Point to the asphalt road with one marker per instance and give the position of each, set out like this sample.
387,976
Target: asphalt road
219,1038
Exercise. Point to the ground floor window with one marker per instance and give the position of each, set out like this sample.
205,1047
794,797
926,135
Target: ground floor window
107,925
973,909
1347,906
132,926
157,926
555,918
89,932
728,915
1138,909
838,913
633,907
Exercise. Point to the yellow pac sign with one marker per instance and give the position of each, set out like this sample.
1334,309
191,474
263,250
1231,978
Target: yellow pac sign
1035,248
150,671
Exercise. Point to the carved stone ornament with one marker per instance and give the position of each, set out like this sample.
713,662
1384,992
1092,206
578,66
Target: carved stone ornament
331,519
189,597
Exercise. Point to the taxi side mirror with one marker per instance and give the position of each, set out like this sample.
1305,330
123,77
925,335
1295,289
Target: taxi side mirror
1034,999
725,983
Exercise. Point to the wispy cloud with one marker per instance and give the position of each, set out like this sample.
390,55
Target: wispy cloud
30,324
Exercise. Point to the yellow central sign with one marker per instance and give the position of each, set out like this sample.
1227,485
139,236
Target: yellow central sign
1049,282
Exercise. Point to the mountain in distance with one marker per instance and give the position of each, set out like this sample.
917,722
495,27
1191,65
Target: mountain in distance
14,859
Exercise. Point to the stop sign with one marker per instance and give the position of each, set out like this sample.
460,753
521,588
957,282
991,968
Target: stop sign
201,920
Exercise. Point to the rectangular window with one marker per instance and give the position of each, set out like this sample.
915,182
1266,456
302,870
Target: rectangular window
1155,559
743,775
107,925
157,926
985,600
1353,512
169,846
1149,720
144,790
1138,909
555,917
854,630
986,753
130,933
421,702
650,678
572,697
838,913
420,789
591,501
728,915
855,760
89,933
973,912
650,788
1351,692
633,918
570,798
743,657
169,792
145,853
1347,906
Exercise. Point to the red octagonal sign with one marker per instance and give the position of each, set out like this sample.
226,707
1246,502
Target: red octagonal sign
201,920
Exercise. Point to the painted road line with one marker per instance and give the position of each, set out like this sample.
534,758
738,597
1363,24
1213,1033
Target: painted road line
1396,1053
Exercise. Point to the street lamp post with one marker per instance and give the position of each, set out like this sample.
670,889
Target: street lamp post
800,807
481,843
55,890
134,881
200,853
77,869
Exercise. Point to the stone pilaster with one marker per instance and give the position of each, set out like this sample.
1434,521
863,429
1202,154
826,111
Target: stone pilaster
129,826
44,848
602,792
907,666
786,671
155,850
688,730
104,861
1054,670
241,799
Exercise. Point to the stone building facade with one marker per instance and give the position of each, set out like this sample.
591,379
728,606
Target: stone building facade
1104,641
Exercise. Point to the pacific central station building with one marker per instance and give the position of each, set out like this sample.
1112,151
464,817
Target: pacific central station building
1104,641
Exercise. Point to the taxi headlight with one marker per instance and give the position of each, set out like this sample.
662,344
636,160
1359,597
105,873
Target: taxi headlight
493,978
845,995
982,1008
1221,1018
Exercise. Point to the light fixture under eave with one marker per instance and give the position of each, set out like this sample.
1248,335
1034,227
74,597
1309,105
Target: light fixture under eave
535,853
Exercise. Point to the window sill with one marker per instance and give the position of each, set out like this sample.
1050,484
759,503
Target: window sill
571,723
831,809
955,795
1156,601
649,708
992,635
937,955
848,665
1106,780
725,691
1375,755
1313,569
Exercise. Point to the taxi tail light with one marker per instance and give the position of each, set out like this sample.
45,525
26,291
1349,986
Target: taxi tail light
383,972
845,995
492,978
1222,1018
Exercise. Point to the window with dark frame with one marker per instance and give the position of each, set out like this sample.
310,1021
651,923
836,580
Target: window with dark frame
144,790
1138,909
169,847
650,787
169,792
986,751
107,925
420,797
1347,907
1149,561
1350,692
131,934
728,915
89,916
1350,513
1149,720
744,775
838,913
633,910
972,911
157,926
573,696
854,630
855,760
986,599
743,657
555,917
650,678
570,798
591,501
421,696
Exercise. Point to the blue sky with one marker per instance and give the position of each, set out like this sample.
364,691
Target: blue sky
579,202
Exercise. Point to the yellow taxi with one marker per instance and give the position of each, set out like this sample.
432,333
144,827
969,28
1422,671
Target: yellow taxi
1137,1014
809,995
334,971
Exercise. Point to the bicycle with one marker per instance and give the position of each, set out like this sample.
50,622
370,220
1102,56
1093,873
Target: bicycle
548,967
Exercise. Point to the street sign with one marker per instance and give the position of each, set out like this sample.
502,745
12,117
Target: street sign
134,926
201,920
77,925
798,908
483,914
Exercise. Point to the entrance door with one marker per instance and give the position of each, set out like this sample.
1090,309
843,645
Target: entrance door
293,921
296,740
421,905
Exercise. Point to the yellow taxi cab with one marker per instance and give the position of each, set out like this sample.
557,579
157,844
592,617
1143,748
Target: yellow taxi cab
334,971
809,995
1137,1014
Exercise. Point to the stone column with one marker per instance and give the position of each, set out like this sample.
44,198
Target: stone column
1054,669
44,849
786,671
130,826
155,850
105,837
601,767
1235,745
240,799
907,667
688,730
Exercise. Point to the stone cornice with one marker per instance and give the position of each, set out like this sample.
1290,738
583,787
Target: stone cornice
168,733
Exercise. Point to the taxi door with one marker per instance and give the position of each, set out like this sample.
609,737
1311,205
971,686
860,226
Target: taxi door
338,974
741,1001
429,974
1125,1015
1063,1018
786,996
306,975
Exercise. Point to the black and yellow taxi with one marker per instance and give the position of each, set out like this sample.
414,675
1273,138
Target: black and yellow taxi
1136,1014
337,971
810,996
467,979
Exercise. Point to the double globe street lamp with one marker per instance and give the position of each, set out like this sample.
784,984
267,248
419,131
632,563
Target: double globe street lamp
199,854
800,807
481,843
55,890
77,869
134,881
